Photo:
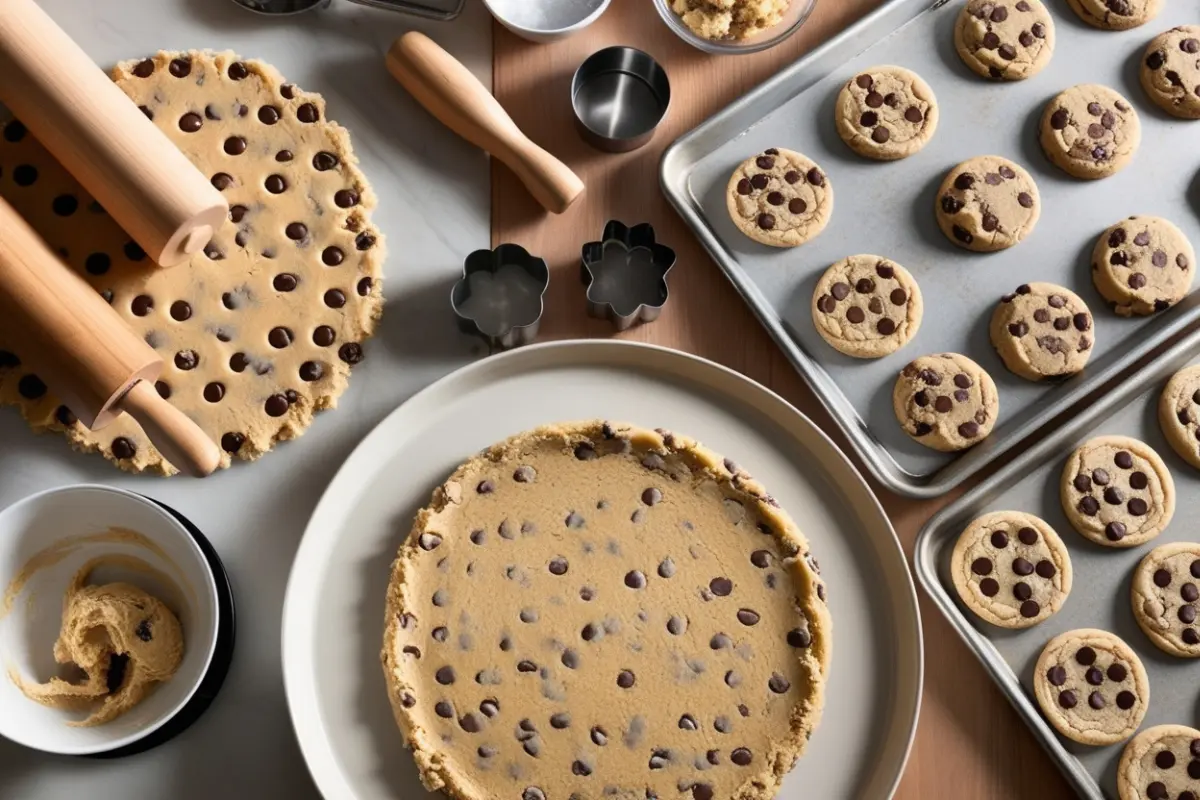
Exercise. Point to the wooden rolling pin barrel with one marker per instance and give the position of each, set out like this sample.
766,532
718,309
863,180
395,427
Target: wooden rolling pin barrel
83,350
95,131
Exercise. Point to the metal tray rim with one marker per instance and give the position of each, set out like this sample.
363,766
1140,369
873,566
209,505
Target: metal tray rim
675,168
1138,383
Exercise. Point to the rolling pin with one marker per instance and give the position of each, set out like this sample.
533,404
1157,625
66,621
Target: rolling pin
96,132
86,353
451,93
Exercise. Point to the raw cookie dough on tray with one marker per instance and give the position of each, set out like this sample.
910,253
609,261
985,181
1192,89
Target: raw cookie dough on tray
261,329
886,113
1005,41
779,198
1091,686
1011,569
867,306
593,604
1170,71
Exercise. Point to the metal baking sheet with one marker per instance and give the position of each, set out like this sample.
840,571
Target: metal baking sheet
1100,591
887,209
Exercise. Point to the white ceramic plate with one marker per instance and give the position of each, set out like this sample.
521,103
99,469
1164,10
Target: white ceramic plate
28,631
333,613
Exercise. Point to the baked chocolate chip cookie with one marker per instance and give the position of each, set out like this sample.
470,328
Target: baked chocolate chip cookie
1142,265
1170,71
987,203
1090,131
1005,40
1165,598
1116,15
1161,763
779,198
1117,491
1042,331
867,306
886,113
1179,414
946,401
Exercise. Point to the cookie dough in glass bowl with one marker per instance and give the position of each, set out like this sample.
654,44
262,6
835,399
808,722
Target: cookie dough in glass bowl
729,27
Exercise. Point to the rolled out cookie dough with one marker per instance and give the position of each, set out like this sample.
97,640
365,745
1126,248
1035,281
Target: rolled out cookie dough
1179,414
946,401
596,605
779,198
1042,330
1142,265
1116,491
1091,686
1090,131
1005,40
1164,596
988,203
1011,569
261,329
886,113
123,639
1161,763
1170,71
867,306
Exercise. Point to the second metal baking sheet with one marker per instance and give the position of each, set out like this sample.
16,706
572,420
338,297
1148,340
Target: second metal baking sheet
1100,593
887,209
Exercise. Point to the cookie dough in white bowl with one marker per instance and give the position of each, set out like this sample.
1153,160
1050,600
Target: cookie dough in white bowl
46,541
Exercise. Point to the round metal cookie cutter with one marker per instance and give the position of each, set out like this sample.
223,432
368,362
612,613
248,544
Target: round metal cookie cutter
444,11
619,96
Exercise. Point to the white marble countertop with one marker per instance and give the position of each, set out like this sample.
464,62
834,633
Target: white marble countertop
434,208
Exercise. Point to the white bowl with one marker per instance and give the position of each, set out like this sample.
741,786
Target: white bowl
546,20
29,629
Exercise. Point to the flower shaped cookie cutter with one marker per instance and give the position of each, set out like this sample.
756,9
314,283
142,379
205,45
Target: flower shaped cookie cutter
499,295
626,275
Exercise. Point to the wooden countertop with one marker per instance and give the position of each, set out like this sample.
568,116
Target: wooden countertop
970,742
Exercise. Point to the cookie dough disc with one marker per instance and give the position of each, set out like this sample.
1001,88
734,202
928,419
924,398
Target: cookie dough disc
867,306
1116,15
261,329
1090,131
1091,686
779,198
1142,265
886,113
594,605
1161,763
1171,71
1179,414
1011,569
1164,595
988,203
946,401
1006,41
1042,330
1117,491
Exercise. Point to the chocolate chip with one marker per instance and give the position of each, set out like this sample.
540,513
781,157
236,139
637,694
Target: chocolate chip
1096,700
31,387
351,353
764,162
815,177
186,359
335,298
1113,496
968,430
65,416
232,442
1030,609
1045,569
1190,636
855,315
1125,701
1085,656
778,684
721,587
759,181
1187,614
123,448
1115,531
1022,591
1162,578
324,161
599,736
190,122
962,234
1189,592
626,679
766,221
308,113
143,69
747,616
276,405
943,404
874,99
1022,566
659,759
235,145
214,392
1137,507
24,174
296,231
1089,506
880,135
1067,699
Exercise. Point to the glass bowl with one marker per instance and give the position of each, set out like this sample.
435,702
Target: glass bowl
793,18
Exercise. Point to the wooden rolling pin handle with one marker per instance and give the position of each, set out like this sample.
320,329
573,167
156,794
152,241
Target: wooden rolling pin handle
451,93
84,119
176,436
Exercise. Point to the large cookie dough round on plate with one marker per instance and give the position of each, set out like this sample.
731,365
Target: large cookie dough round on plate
260,330
867,306
1164,595
595,605
1179,414
1142,265
779,198
1090,131
1091,686
886,113
987,203
1117,491
1006,41
1170,71
1011,569
1161,763
1042,330
945,401
1116,15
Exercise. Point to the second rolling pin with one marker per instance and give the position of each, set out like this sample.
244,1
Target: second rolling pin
451,93
85,352
96,132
